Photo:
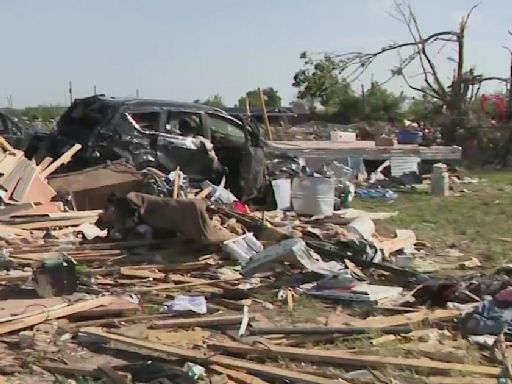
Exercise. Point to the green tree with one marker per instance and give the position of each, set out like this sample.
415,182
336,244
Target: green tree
425,109
272,98
215,101
320,82
422,50
43,113
382,105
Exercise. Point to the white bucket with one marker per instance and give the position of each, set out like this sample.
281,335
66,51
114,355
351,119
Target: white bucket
313,196
282,193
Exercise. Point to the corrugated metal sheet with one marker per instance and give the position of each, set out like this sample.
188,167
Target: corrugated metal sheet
401,165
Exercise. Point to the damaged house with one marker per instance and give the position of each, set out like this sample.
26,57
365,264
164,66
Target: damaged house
204,142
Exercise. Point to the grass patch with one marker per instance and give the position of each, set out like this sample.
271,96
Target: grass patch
472,222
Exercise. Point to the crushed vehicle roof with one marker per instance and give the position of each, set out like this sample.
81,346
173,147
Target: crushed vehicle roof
139,102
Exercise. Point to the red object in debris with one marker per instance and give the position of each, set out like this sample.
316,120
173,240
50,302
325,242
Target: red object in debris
240,207
504,296
498,101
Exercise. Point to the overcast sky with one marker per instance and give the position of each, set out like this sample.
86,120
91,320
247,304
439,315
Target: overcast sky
189,49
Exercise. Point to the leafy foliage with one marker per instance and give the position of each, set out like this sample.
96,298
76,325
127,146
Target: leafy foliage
425,109
44,113
382,105
322,82
215,101
272,98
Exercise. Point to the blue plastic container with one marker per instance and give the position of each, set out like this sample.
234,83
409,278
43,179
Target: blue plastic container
409,137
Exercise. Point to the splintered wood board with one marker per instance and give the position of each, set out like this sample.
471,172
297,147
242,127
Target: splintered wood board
25,183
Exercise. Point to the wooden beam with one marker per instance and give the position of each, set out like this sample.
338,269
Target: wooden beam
238,376
65,158
6,146
407,318
344,358
25,183
44,164
215,359
113,321
57,223
203,321
265,116
69,370
26,322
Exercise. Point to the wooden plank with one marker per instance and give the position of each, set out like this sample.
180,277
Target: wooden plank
15,209
115,321
14,231
9,162
344,358
26,322
31,217
45,163
70,370
203,321
9,181
406,319
111,375
5,145
56,223
202,357
457,380
141,273
25,183
238,376
39,192
65,158
172,286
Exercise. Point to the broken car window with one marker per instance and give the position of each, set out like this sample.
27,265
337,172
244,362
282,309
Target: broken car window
225,131
176,119
147,121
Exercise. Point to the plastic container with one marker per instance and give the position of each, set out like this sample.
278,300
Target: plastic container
313,196
282,193
409,137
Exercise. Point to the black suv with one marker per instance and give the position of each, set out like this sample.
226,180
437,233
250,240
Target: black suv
146,133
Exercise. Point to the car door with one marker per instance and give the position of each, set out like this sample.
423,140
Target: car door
132,136
187,150
239,148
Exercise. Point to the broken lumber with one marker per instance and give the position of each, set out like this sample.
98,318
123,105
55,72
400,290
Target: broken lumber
52,314
238,376
25,183
407,318
6,146
344,358
70,370
56,223
44,164
65,158
328,330
113,321
204,358
203,321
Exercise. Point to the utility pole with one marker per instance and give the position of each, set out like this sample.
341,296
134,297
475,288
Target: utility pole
95,90
70,92
137,93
